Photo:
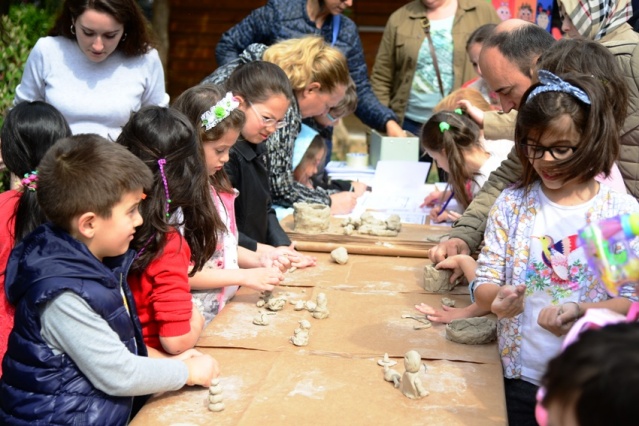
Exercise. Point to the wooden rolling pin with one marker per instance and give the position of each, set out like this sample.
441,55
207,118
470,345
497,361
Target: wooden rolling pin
382,249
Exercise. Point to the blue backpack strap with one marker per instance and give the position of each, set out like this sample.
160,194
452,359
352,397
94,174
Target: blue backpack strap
336,22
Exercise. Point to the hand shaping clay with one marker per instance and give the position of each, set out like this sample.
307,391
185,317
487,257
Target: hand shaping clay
472,331
437,280
311,218
340,255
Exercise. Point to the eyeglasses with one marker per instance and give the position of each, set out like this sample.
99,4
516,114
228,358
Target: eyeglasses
537,152
268,122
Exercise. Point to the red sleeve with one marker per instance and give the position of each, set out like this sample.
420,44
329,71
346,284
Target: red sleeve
162,292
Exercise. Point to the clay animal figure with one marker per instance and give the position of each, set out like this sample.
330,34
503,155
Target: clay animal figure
392,376
300,335
410,384
215,396
321,309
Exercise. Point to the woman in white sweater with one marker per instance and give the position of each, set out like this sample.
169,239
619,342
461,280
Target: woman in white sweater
97,66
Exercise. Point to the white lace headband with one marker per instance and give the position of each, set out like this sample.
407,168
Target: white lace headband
219,111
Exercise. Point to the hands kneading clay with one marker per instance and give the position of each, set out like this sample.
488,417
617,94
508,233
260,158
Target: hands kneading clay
438,280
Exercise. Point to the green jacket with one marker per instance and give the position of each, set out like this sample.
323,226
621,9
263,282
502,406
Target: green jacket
396,59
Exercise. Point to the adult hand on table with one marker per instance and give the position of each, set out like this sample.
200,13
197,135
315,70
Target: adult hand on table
448,248
509,301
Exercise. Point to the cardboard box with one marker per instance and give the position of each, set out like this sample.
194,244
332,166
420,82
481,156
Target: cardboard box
381,147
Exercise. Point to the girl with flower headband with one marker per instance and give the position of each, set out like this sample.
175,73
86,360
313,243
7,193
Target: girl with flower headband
531,272
218,120
178,235
457,144
265,95
29,129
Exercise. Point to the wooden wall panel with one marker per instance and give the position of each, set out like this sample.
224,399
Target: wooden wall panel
196,26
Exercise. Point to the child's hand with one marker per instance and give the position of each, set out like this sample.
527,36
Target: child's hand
262,279
473,112
202,369
454,263
558,319
437,216
297,259
275,259
358,188
446,315
343,202
509,301
432,198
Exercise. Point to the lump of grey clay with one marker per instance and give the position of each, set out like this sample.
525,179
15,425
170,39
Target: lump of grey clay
437,280
340,255
448,302
311,218
472,331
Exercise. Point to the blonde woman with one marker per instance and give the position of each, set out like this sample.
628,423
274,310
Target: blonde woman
319,76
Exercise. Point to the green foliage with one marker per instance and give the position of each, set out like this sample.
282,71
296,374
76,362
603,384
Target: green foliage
22,28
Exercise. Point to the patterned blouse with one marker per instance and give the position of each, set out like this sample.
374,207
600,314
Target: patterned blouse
504,258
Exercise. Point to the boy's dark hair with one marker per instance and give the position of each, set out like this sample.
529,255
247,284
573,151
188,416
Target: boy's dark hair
256,81
29,130
86,173
155,133
522,45
138,39
480,34
196,101
589,57
463,134
598,132
599,373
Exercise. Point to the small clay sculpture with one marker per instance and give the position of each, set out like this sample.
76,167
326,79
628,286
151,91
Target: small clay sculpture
301,334
371,225
411,385
299,305
437,280
321,309
448,302
215,396
311,218
386,361
472,331
261,319
310,305
276,303
392,376
340,255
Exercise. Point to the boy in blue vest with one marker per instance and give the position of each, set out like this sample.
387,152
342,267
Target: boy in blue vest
76,354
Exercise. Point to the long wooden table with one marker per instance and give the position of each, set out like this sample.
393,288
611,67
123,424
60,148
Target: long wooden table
336,380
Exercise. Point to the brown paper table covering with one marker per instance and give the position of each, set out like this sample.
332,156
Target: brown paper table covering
413,240
369,273
335,380
360,324
277,388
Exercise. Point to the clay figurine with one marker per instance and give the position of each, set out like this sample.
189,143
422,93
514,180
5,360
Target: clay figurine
386,361
300,335
215,396
410,384
392,376
321,310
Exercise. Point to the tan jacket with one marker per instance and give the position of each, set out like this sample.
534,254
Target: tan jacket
396,59
623,44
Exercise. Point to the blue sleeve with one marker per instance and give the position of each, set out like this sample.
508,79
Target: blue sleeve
257,27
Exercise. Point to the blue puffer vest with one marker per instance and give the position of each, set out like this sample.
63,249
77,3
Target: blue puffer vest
37,386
